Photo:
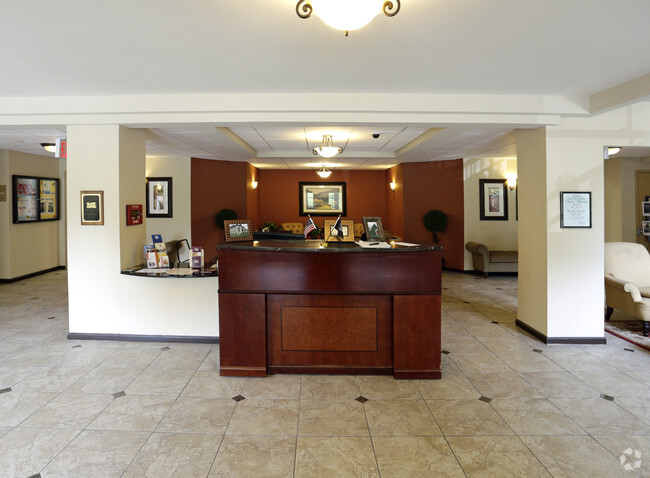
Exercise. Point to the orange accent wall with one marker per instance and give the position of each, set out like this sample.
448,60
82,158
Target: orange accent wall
279,196
215,185
420,187
436,185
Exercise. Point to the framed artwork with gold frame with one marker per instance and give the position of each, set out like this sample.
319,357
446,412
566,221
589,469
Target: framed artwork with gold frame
331,235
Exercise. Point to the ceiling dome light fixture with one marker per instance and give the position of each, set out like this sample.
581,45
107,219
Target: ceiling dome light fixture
347,15
327,148
49,147
323,172
613,150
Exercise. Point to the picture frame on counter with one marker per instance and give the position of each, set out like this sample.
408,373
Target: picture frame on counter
238,230
159,197
92,208
331,234
373,229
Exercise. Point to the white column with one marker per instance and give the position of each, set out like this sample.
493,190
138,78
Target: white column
561,293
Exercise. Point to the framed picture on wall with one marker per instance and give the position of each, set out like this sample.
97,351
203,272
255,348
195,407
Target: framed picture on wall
159,197
35,199
646,208
322,199
92,208
493,198
238,230
575,209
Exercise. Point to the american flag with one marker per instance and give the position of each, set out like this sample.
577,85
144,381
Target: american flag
310,226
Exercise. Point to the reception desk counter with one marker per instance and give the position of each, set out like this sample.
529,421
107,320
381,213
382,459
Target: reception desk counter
293,307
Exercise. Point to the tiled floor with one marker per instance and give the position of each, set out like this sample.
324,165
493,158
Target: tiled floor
507,405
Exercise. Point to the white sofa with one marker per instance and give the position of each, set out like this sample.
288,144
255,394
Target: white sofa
627,281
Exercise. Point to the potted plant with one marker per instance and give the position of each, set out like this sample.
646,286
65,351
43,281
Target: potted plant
224,215
435,221
272,226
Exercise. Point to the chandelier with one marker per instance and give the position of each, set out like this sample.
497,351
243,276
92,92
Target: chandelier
327,148
323,172
347,15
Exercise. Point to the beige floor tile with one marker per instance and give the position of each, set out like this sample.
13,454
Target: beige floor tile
502,385
25,451
478,362
571,456
502,343
198,415
69,410
447,365
97,454
601,417
528,361
212,361
535,416
450,386
332,417
415,456
85,356
179,359
614,384
10,375
52,379
264,417
496,456
131,358
559,385
250,455
174,455
462,343
133,413
105,380
209,384
329,387
468,417
450,329
160,382
5,430
273,387
639,407
38,355
400,417
632,450
387,388
15,407
335,457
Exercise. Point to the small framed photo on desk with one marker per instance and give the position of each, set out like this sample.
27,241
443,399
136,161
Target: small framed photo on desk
332,235
373,229
238,230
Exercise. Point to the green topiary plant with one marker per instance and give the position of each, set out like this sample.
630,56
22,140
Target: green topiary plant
435,221
224,215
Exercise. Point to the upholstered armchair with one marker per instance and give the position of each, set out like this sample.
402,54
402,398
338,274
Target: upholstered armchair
294,227
627,280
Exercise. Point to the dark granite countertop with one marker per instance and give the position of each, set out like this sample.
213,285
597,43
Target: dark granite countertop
316,245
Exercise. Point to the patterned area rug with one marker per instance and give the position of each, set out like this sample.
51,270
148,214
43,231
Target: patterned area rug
629,330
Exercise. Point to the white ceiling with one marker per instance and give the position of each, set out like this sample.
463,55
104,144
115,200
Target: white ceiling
195,47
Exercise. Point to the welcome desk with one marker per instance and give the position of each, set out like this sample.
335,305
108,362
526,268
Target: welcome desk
293,307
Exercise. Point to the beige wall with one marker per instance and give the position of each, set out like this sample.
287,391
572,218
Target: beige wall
496,235
620,197
32,247
180,225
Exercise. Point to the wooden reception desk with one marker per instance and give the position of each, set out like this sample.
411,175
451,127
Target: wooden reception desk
292,307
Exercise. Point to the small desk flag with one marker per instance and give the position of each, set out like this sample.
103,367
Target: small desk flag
338,227
310,226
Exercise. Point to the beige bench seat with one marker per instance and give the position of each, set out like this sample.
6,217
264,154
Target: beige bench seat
488,261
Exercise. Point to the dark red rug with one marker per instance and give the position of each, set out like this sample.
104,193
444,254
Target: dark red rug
630,330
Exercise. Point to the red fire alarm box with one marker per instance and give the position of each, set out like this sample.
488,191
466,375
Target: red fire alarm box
133,214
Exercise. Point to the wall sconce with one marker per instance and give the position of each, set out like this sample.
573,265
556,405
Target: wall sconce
393,185
511,180
254,184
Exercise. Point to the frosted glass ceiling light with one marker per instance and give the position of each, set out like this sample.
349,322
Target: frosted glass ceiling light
323,172
49,147
327,148
347,15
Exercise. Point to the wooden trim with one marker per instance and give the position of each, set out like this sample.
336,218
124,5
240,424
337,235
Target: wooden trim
560,340
330,370
33,274
189,339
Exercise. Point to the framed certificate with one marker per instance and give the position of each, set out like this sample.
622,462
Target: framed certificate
575,209
92,208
